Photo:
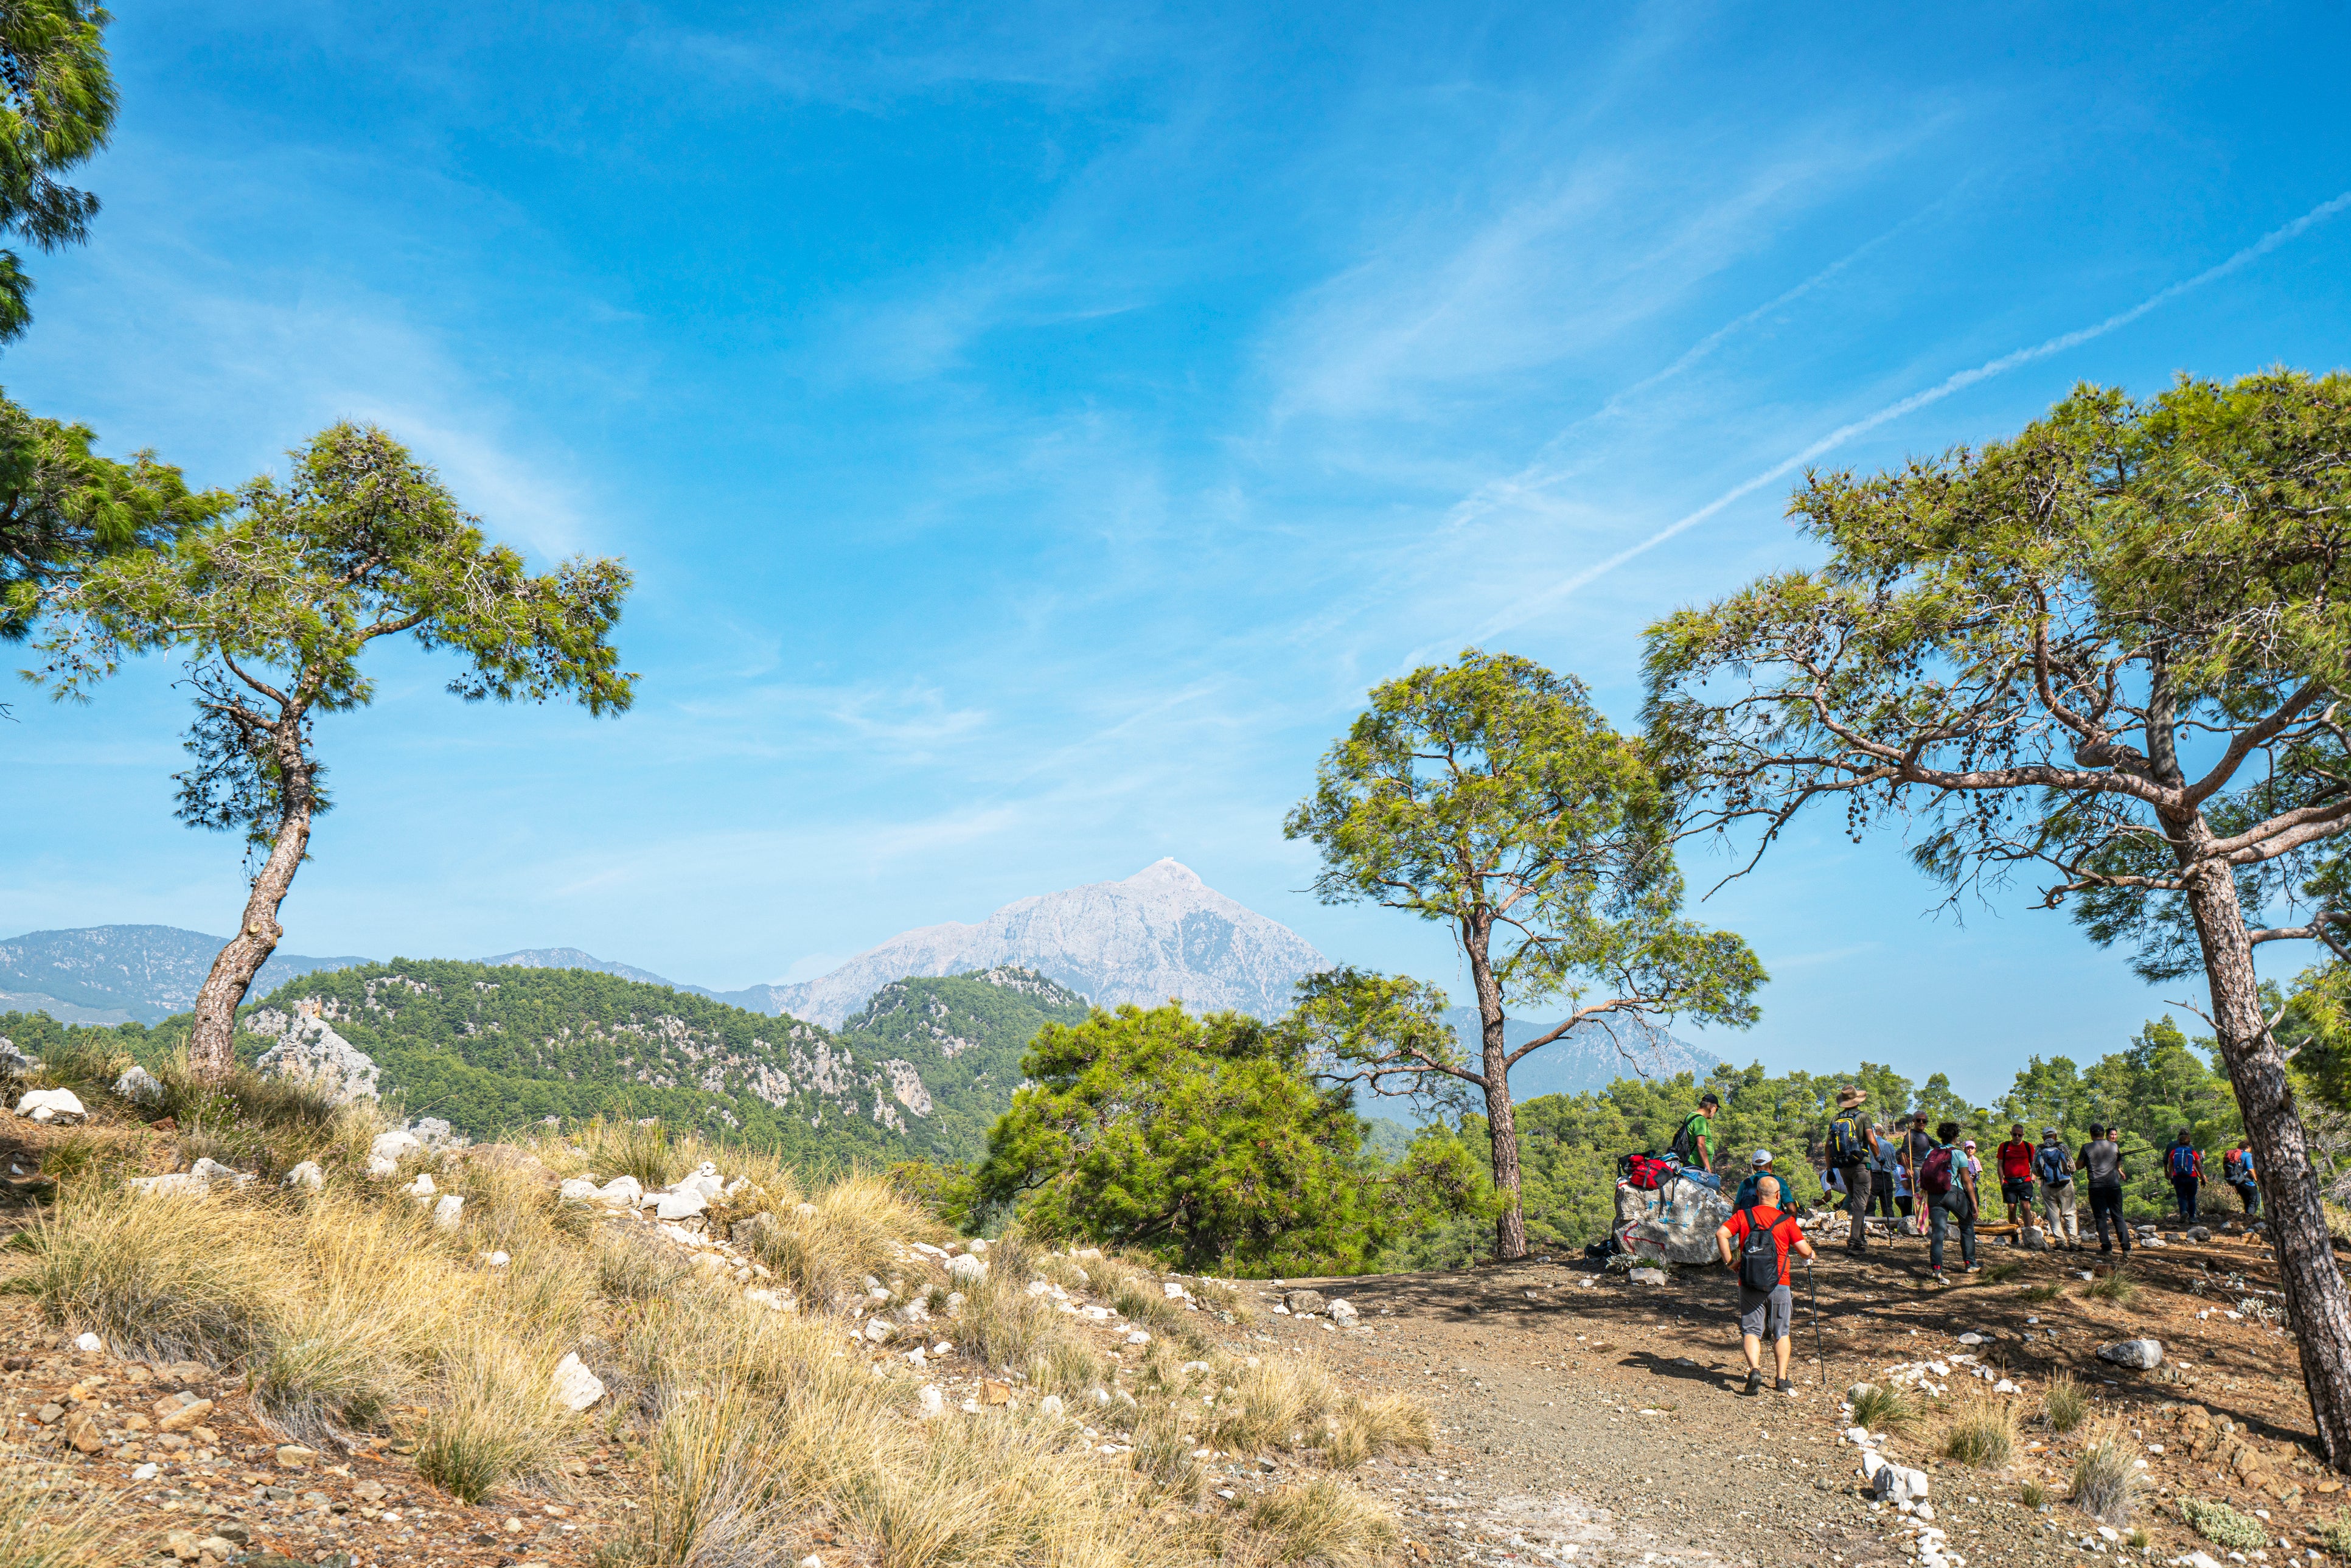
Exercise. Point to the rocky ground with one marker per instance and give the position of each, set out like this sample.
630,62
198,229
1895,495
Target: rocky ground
1583,1417
1589,1419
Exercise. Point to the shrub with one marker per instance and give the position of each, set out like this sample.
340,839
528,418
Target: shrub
712,1496
1885,1409
1368,1428
1983,1433
2336,1534
1324,1522
2066,1404
2224,1526
177,1278
623,1147
2105,1476
2117,1287
328,1369
2047,1290
2034,1495
2002,1273
848,1233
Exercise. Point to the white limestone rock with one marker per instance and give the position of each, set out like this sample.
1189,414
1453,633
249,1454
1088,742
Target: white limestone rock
679,1205
576,1189
208,1171
1344,1314
306,1175
576,1387
967,1268
1647,1276
394,1147
52,1105
14,1063
140,1087
449,1213
622,1191
309,1050
2142,1355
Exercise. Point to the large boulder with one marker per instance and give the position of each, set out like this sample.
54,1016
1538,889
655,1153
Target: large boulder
140,1087
14,1063
1303,1302
309,1050
52,1105
1676,1222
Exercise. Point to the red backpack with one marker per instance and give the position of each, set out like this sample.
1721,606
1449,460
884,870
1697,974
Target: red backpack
1646,1172
1935,1176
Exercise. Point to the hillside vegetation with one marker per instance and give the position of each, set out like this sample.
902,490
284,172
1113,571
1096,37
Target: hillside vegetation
921,1072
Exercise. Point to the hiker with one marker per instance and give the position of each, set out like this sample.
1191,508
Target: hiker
2102,1166
1917,1145
2015,1160
1762,1163
2237,1170
1692,1145
1883,1169
1947,1181
2183,1162
2055,1163
1853,1146
1764,1238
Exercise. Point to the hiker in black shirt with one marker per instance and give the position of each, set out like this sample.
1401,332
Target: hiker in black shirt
2101,1172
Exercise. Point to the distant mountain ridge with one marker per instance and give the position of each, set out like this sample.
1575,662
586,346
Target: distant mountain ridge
1159,933
125,974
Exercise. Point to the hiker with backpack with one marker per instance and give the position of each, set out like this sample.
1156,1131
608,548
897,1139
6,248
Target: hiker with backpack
1756,1243
2053,1163
1853,1146
2102,1167
2237,1170
1693,1146
1946,1181
2015,1160
1917,1145
1745,1198
1883,1169
2183,1162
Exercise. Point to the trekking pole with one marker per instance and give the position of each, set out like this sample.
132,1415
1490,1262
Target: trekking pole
1819,1353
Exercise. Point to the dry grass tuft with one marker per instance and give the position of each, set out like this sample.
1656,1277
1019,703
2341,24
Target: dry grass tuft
2117,1287
1373,1429
2105,1476
495,1419
1885,1409
714,1498
1983,1434
2066,1404
848,1233
623,1147
1324,1522
39,1527
178,1278
1273,1405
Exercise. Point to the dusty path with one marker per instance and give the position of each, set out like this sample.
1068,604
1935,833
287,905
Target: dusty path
1588,1420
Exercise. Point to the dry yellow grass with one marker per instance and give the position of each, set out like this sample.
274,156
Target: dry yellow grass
178,1278
40,1528
1323,1523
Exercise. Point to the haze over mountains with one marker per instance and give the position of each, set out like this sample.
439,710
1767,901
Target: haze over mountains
1159,933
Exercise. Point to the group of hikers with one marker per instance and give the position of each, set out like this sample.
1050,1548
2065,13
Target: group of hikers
1864,1164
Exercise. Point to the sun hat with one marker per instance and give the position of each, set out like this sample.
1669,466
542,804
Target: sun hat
1850,1096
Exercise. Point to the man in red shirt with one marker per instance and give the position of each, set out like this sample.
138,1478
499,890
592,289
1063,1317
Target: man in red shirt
1756,1243
2016,1175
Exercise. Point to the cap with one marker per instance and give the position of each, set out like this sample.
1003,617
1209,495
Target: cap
1762,1158
1969,1144
2048,1132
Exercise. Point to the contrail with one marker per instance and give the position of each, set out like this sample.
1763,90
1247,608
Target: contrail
1959,380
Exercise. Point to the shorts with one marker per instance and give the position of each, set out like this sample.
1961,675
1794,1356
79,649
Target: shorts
1769,1309
2016,1190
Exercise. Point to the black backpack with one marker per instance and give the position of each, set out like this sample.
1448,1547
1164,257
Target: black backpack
1758,1260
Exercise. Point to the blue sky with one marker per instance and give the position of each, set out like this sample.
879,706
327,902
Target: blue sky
1034,430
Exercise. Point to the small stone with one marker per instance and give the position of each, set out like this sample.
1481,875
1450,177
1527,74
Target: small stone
1647,1276
1051,1404
621,1191
576,1387
88,1343
1972,1339
2200,1233
294,1457
1343,1314
576,1189
1137,1336
965,1268
679,1205
449,1212
146,1472
811,1560
933,1402
1303,1302
2140,1354
991,1392
395,1146
422,1188
309,1173
499,1259
181,1416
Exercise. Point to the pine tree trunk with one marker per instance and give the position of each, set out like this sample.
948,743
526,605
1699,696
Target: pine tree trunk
2316,1298
212,1048
1501,1120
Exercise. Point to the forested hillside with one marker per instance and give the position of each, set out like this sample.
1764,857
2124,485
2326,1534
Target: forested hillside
923,1072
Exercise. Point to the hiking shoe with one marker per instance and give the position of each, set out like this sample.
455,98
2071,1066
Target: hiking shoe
1975,1267
1786,1387
1754,1383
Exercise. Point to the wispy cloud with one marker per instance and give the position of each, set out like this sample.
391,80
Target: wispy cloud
1526,608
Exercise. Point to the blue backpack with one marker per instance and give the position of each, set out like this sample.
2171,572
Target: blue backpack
2055,1165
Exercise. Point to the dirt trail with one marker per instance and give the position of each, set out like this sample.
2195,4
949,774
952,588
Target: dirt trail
1587,1420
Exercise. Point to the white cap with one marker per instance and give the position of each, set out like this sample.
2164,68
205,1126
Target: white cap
1762,1156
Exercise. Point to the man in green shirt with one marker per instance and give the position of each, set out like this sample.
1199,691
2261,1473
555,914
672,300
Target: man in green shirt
1693,1144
